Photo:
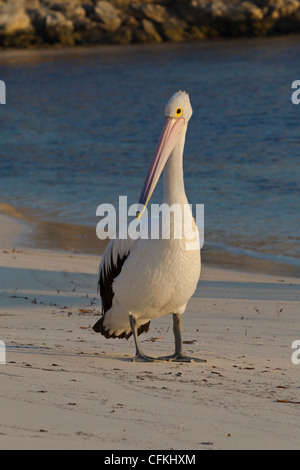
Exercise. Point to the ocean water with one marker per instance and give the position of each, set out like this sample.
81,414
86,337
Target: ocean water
80,128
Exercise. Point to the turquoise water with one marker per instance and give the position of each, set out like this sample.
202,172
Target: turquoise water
80,128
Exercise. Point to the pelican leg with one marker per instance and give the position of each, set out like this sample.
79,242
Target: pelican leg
140,356
178,356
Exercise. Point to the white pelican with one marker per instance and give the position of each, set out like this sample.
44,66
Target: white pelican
144,279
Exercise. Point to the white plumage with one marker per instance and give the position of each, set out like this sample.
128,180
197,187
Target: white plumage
144,279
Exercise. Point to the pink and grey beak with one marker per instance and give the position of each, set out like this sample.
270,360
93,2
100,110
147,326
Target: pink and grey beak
168,140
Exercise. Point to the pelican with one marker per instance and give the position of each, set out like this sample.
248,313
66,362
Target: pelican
144,279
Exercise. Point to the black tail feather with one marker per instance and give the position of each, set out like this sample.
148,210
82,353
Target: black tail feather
99,328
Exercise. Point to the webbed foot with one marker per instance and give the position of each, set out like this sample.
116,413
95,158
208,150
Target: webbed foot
143,358
181,358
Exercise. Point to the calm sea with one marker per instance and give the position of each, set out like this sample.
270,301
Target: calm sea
80,127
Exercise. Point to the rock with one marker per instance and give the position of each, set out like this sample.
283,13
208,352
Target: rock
252,11
71,22
274,15
13,19
150,31
60,5
77,14
132,22
30,4
58,29
88,32
175,30
154,12
108,16
218,10
122,36
196,34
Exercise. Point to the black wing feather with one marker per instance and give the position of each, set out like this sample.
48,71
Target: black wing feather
106,293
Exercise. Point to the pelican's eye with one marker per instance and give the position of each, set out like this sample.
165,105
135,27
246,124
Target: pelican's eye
179,112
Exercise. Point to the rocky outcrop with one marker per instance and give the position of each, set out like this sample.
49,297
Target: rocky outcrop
15,26
108,17
32,23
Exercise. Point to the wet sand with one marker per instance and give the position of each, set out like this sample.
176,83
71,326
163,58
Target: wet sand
30,232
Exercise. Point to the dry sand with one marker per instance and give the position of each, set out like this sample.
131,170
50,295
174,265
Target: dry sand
65,387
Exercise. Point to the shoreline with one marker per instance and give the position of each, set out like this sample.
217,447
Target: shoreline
46,52
21,230
30,232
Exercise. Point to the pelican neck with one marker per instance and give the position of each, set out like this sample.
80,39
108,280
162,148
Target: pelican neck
174,191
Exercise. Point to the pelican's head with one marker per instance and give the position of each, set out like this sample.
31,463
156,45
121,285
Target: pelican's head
179,106
178,112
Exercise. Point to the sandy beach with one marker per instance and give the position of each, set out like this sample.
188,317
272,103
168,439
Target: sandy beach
65,387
